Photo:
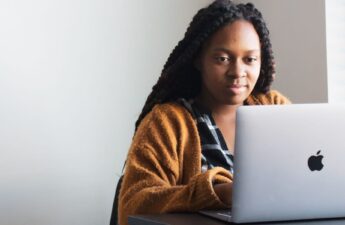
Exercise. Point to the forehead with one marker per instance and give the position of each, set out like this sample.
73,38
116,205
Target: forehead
238,35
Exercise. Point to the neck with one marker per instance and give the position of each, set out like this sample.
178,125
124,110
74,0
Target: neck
221,110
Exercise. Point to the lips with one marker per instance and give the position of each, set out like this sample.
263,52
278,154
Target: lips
236,85
237,88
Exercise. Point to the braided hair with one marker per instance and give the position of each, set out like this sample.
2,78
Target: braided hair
180,79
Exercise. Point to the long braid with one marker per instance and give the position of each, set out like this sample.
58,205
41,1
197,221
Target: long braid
180,79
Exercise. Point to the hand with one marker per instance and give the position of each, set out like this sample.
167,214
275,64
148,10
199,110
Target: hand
224,192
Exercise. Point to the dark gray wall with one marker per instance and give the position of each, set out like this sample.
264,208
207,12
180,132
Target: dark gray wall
298,34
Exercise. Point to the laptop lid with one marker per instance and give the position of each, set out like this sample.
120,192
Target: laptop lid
289,162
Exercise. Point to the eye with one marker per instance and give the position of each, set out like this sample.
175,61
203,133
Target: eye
222,59
251,59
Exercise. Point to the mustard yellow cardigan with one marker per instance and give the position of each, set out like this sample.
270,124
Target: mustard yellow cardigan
163,168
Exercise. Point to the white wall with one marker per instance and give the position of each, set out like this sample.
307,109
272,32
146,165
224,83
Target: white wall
74,76
335,24
298,35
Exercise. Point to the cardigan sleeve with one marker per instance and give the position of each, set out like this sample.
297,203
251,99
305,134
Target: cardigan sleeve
277,98
154,173
272,97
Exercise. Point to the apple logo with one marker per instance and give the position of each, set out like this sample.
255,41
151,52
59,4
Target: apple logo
315,162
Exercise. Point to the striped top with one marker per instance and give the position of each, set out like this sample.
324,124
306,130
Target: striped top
214,151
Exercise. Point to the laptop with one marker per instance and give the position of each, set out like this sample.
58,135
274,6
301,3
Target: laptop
289,163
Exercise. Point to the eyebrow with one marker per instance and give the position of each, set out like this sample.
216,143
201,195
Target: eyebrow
229,51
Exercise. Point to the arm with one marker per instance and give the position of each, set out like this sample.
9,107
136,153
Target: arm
158,175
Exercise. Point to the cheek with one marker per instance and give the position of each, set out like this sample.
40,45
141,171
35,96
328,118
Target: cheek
213,80
215,70
254,74
211,73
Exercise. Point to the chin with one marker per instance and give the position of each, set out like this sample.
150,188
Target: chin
235,100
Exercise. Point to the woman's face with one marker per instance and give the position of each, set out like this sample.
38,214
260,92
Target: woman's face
230,64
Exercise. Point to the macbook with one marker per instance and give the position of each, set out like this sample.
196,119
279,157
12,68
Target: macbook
289,163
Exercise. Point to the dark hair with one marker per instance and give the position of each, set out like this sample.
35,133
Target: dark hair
179,77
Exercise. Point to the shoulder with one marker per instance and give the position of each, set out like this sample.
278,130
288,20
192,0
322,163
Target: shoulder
167,126
170,111
272,97
167,116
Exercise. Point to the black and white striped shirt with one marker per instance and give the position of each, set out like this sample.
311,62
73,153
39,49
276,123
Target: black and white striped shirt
213,146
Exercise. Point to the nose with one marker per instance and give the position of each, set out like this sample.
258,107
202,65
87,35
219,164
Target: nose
237,69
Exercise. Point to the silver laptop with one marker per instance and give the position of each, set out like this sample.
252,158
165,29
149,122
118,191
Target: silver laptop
289,163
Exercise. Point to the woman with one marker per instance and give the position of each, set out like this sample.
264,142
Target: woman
182,151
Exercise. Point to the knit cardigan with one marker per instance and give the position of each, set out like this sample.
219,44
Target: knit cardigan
163,167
